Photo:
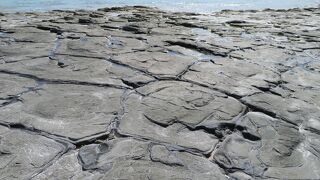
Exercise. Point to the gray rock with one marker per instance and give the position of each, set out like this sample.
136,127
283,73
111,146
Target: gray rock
290,109
13,85
80,69
100,47
67,167
20,51
140,93
157,63
131,159
301,77
23,154
225,75
279,148
169,108
71,111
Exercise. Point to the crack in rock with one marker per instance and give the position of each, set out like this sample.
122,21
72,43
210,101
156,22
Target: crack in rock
141,93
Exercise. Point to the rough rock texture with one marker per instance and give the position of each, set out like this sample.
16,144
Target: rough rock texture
74,112
25,154
139,93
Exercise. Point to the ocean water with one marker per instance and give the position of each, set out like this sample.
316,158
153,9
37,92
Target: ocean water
203,6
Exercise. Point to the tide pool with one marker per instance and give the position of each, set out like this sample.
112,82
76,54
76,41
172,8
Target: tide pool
202,6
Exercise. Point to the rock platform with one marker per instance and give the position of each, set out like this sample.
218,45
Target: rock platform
140,93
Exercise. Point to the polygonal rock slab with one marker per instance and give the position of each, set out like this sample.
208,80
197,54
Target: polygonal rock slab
292,110
311,95
91,70
131,159
66,167
170,102
100,46
157,63
21,44
72,111
23,154
263,55
24,51
277,147
239,154
301,77
32,35
232,76
169,109
11,85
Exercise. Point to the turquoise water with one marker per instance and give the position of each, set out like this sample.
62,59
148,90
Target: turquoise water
204,6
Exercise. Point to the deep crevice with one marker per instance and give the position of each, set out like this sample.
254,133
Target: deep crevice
102,137
269,113
196,48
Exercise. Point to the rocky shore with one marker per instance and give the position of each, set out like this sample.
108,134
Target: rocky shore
139,93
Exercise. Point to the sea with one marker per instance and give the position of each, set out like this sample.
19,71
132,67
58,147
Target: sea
198,6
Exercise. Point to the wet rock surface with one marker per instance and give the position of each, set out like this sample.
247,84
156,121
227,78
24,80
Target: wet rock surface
139,93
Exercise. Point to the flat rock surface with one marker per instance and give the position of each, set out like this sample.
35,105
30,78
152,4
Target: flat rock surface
139,93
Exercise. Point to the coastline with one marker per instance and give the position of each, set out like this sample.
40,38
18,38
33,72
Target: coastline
141,93
202,9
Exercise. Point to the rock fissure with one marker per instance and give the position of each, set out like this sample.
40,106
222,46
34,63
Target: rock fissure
140,93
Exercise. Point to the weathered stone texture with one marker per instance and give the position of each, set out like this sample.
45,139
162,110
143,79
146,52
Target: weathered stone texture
139,93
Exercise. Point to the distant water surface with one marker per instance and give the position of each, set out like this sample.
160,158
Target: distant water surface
202,6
